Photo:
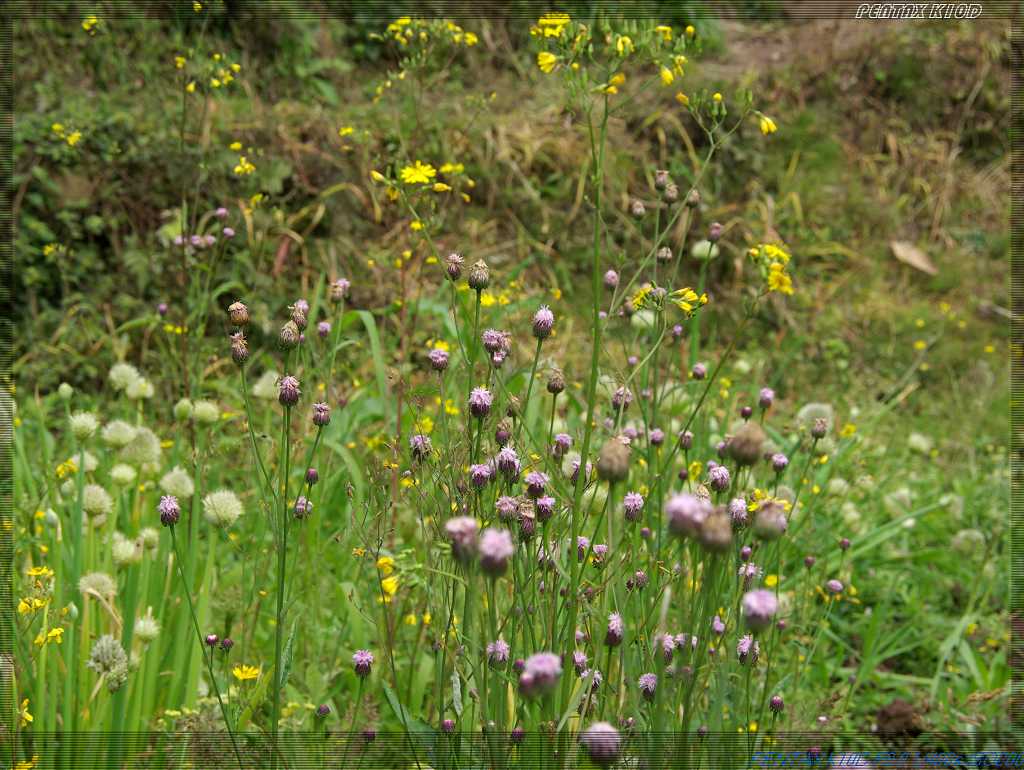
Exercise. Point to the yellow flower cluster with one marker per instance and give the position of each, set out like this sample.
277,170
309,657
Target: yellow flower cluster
550,25
773,261
687,300
418,173
406,30
91,24
71,137
244,167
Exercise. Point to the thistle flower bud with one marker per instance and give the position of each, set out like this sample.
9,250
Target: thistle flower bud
611,279
299,317
420,446
321,411
745,447
632,506
226,644
616,630
699,371
453,266
288,391
323,711
759,607
340,289
479,276
239,314
211,640
693,199
746,412
819,428
844,544
161,309
239,348
65,391
664,254
543,322
765,398
312,476
323,329
438,359
716,532
169,510
613,461
622,398
556,382
648,684
809,561
661,179
770,521
480,400
834,587
503,433
602,743
362,662
496,549
290,335
671,192
776,704
461,533
303,507
718,478
779,462
715,232
637,208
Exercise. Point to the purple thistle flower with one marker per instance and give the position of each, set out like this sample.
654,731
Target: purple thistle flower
340,289
543,322
611,279
562,443
323,329
228,232
221,212
507,508
420,446
448,726
541,672
776,704
747,647
507,461
834,587
211,640
766,397
495,550
169,510
461,532
779,462
323,710
493,340
699,371
600,550
621,398
480,474
685,440
576,470
161,309
480,400
616,630
438,359
517,735
288,391
632,505
579,661
738,512
302,507
602,743
686,514
582,546
718,626
545,507
749,572
640,579
648,685
745,553
657,436
362,662
321,414
677,331
536,483
453,265
498,652
759,607
226,644
718,478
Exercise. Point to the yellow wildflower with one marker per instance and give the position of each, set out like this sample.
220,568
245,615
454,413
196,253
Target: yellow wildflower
245,673
665,32
546,61
666,76
418,173
386,565
23,715
767,125
624,45
683,99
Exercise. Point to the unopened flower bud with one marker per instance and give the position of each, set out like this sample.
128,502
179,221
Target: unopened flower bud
661,179
238,313
613,461
290,335
453,266
637,208
479,276
556,382
239,348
